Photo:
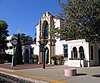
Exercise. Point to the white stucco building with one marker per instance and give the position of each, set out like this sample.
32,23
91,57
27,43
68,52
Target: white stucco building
25,51
77,53
80,53
9,49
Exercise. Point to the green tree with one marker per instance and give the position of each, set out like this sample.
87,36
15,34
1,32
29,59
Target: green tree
18,53
3,34
81,19
25,39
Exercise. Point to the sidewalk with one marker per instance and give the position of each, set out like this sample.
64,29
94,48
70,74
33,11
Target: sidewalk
84,75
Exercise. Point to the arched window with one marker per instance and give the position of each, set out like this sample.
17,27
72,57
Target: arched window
45,30
81,51
74,52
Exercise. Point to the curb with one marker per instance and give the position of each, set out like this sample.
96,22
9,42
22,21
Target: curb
33,78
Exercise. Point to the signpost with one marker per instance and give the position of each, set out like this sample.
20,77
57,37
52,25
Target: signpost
14,43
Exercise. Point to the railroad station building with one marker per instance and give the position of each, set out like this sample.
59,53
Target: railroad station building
76,53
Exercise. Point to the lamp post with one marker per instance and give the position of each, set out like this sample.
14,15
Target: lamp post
14,43
43,42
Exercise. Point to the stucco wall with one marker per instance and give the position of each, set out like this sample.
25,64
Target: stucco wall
71,44
9,51
37,33
36,48
77,44
59,47
95,54
56,23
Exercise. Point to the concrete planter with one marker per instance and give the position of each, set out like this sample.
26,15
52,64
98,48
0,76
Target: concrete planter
57,60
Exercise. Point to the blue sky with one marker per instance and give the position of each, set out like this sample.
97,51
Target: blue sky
23,15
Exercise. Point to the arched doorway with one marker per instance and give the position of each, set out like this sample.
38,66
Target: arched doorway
26,56
46,53
45,28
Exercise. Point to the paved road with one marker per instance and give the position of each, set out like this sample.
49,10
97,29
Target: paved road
84,75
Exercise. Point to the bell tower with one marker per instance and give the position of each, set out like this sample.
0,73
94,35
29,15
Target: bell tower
46,23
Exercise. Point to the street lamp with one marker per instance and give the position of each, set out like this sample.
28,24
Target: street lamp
43,42
14,43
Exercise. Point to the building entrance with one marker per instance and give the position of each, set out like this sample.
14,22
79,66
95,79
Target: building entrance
46,53
26,56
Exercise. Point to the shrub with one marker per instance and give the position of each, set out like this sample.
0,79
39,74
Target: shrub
34,56
57,57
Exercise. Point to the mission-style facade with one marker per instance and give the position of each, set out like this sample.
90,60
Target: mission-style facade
76,53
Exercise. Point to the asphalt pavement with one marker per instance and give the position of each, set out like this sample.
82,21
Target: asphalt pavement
84,74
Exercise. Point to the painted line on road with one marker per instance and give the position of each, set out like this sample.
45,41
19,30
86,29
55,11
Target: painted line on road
32,77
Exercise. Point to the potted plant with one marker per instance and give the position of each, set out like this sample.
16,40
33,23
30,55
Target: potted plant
35,58
53,58
58,59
